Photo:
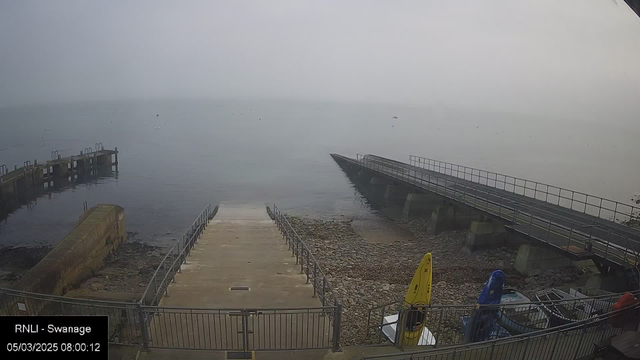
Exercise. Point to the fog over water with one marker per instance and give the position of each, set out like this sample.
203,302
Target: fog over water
252,97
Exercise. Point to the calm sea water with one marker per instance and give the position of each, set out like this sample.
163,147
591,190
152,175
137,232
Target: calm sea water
199,152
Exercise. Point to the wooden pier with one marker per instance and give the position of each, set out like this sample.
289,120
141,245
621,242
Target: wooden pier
32,178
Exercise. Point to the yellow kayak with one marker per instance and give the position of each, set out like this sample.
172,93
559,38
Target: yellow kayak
415,302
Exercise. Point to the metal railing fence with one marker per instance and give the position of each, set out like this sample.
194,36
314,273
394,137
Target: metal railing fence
566,342
448,323
313,271
124,318
523,218
240,329
189,328
147,325
578,201
175,257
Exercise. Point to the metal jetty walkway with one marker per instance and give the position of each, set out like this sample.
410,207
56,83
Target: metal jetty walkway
579,225
89,159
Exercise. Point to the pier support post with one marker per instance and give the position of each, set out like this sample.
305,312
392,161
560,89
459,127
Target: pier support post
610,282
104,160
376,180
446,218
82,165
61,170
395,193
531,257
364,176
485,235
418,204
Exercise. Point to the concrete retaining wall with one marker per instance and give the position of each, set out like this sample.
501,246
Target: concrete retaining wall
83,251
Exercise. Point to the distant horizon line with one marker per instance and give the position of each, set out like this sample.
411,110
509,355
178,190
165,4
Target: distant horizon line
235,98
440,105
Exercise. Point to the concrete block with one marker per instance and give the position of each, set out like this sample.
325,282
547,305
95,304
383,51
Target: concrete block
531,257
446,218
97,234
364,176
418,204
395,193
442,219
463,219
485,235
377,180
610,282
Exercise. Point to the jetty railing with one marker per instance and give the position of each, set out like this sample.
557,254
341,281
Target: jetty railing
548,227
310,267
175,257
575,200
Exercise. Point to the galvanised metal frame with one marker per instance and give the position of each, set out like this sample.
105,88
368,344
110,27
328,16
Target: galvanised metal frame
552,228
567,342
444,321
175,257
309,266
578,201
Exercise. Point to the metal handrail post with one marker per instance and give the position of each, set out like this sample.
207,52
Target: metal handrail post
143,327
307,266
438,328
570,235
315,276
324,286
337,320
399,340
245,330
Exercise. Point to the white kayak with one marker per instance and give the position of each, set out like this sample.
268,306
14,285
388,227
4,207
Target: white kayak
389,331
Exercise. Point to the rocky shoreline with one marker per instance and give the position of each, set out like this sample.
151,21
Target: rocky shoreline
125,274
366,274
123,277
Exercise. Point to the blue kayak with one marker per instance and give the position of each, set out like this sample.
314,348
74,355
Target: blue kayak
482,324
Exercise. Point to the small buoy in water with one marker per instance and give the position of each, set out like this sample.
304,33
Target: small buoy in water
157,115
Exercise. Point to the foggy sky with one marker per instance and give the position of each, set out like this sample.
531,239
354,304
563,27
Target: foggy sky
567,57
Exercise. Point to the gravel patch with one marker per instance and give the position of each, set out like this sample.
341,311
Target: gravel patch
366,274
127,271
